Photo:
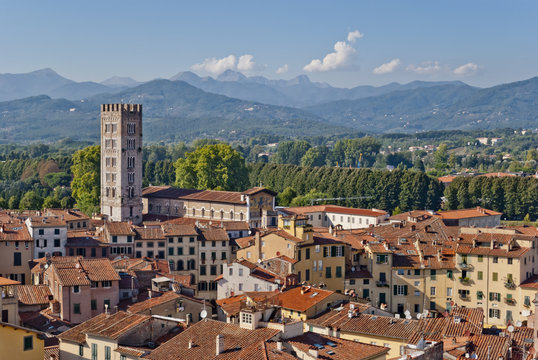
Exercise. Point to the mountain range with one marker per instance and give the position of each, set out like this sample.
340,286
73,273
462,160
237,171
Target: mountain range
43,105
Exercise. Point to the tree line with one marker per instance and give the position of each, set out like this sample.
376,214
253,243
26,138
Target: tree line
515,197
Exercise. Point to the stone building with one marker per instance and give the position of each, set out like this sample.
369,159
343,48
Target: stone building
121,162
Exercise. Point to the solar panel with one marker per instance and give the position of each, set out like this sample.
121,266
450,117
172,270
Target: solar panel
330,352
319,347
331,344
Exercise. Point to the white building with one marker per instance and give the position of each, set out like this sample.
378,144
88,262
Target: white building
49,234
333,215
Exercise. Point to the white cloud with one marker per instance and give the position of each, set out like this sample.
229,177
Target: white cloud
283,69
341,58
387,67
466,69
245,63
216,66
354,35
428,67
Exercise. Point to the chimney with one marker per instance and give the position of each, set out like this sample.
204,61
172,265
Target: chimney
220,345
313,353
331,229
190,344
279,345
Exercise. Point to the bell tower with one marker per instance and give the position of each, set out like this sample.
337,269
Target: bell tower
121,162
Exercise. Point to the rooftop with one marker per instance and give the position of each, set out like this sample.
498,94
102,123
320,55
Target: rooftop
302,298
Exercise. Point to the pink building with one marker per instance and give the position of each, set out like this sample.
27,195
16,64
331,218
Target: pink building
82,288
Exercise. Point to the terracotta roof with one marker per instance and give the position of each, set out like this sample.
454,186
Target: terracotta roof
47,221
245,242
68,214
119,228
446,179
231,305
287,258
81,272
33,294
264,350
230,197
512,253
482,345
124,350
214,234
167,192
530,283
334,209
103,325
256,190
179,230
51,352
293,299
14,232
361,323
335,348
467,213
235,225
203,335
149,233
155,301
5,281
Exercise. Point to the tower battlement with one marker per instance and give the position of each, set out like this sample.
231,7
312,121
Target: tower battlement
121,107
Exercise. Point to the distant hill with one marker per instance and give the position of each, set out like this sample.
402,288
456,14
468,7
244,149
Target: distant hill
450,106
173,111
48,82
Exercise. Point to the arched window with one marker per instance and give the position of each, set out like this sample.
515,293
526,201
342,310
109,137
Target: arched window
203,212
212,212
191,265
171,264
241,216
193,212
222,214
180,265
231,214
113,192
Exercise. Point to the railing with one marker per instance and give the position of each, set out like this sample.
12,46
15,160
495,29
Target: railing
465,297
466,266
465,280
510,285
510,301
381,283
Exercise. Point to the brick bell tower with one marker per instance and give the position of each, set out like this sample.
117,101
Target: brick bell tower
121,162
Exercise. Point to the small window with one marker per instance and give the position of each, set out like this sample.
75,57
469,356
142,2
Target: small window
76,289
56,231
28,343
81,350
76,308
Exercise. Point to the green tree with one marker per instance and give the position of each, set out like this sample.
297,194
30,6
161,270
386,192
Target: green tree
285,197
291,152
3,203
419,165
13,202
316,156
215,166
440,157
31,201
86,184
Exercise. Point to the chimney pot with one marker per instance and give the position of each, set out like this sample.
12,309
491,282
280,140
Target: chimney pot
220,344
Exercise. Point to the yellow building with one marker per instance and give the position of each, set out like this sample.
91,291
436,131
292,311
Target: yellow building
9,302
304,302
21,343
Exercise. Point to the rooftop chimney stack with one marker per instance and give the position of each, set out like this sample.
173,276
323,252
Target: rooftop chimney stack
220,345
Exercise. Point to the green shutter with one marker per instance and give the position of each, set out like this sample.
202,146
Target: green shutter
333,251
490,296
405,290
395,289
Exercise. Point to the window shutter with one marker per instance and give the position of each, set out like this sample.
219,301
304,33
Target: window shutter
490,296
325,251
405,290
395,289
333,251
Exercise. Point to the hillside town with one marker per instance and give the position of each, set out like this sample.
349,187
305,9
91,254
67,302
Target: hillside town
172,273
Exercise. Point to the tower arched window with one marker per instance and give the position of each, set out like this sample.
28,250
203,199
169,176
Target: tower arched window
180,265
222,214
212,214
203,212
231,214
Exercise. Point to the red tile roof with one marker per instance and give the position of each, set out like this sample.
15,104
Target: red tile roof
34,294
81,272
5,281
301,210
336,348
467,213
203,336
293,299
119,228
155,301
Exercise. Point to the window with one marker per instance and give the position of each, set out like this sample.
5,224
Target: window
123,357
382,259
76,308
527,301
180,251
28,343
246,318
56,231
480,258
432,305
41,232
449,292
114,239
240,272
94,304
223,255
494,296
76,289
161,254
307,275
203,270
107,352
149,244
432,291
107,284
417,272
338,271
433,274
106,303
171,251
213,270
400,289
479,295
17,260
480,275
150,254
495,313
81,350
161,244
510,261
494,276
401,272
138,244
191,250
328,272
56,242
417,292
495,259
307,254
365,281
94,351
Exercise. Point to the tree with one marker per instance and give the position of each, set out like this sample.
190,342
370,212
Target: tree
31,201
285,197
291,152
316,156
13,202
440,157
214,166
86,184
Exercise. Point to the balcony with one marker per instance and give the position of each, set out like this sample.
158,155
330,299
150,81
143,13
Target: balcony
381,283
510,285
465,297
510,301
466,266
465,280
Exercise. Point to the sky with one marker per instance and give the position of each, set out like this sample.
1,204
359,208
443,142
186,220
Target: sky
342,43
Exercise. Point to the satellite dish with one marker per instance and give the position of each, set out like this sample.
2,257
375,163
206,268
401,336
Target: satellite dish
408,317
519,323
397,316
46,266
419,315
511,328
407,313
203,314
